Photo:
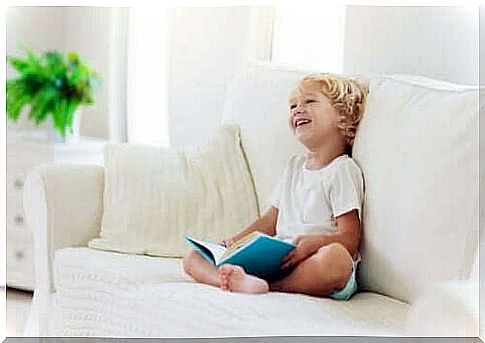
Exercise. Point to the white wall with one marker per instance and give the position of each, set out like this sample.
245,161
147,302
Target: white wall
88,32
37,28
85,30
207,46
439,42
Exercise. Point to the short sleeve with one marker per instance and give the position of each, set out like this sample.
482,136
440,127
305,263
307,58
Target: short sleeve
275,197
347,189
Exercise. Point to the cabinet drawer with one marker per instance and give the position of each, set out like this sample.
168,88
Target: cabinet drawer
15,202
15,182
15,215
24,237
20,264
24,155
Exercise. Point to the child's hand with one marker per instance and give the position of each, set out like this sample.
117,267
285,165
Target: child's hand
305,247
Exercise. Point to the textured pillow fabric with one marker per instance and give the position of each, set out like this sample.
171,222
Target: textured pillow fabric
155,195
417,146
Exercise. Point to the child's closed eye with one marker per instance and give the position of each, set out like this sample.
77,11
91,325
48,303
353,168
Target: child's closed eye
309,101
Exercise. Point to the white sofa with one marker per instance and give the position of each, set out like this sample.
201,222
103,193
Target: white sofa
412,280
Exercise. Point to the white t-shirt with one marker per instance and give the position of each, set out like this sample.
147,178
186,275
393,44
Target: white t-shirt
309,200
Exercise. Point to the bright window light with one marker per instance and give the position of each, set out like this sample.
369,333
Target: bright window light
311,37
147,116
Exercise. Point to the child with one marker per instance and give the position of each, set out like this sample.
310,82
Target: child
317,204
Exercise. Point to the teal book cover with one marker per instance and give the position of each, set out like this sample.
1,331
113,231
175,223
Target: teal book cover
259,254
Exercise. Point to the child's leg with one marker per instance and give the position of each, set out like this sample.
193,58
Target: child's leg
200,269
320,274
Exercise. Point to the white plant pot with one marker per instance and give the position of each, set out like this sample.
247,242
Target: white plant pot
54,136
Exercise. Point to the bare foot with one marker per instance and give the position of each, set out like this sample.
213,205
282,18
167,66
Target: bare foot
234,278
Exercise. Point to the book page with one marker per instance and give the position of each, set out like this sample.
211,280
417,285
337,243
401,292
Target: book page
217,250
241,242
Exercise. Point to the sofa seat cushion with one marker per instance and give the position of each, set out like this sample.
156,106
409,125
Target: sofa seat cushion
199,310
85,268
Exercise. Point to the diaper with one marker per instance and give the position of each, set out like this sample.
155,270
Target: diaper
351,286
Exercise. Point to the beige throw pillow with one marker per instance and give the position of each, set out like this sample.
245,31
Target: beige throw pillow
155,195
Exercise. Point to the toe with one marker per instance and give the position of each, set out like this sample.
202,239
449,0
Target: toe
238,271
225,269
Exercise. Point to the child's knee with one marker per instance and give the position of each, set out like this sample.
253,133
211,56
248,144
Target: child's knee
334,252
335,257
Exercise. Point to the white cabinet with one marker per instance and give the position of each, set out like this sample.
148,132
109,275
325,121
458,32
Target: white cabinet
26,149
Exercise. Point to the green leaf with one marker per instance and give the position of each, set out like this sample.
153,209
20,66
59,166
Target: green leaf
71,110
42,105
73,58
50,84
18,64
57,116
17,98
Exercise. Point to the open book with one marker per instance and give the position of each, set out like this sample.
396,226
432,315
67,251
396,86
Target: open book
259,254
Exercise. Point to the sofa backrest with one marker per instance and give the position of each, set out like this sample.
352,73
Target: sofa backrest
417,145
418,149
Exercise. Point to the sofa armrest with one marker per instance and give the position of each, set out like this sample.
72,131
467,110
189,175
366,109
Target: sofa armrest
448,308
63,207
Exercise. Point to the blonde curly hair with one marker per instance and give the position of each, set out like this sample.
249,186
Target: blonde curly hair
347,96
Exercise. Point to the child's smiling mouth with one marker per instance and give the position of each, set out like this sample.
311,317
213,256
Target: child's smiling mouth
301,123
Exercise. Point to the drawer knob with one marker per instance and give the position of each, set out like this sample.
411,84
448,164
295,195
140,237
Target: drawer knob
19,254
18,219
18,184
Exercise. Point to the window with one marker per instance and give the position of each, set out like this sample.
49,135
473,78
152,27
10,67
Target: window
147,121
310,37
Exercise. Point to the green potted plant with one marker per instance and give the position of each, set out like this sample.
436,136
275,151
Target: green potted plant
51,85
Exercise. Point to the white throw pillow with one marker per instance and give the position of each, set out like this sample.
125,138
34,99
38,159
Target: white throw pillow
417,145
155,195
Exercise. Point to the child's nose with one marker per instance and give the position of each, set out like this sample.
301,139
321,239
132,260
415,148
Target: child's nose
298,108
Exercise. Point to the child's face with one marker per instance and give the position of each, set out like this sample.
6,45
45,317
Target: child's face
312,117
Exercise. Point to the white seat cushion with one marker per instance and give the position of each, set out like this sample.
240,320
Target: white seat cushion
199,310
100,293
85,268
269,314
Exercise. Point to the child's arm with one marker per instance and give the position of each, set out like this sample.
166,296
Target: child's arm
348,234
265,224
349,231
